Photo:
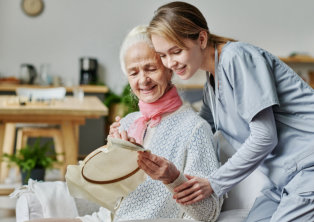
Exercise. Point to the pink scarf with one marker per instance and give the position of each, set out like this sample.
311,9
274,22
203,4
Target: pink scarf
168,103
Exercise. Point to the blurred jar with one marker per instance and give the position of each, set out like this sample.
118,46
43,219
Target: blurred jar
44,77
78,93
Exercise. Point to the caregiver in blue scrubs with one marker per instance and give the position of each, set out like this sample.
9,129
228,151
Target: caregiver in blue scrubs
261,106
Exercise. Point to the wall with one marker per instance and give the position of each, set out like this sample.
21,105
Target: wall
70,29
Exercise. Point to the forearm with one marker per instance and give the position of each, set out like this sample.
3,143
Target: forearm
259,144
207,209
204,210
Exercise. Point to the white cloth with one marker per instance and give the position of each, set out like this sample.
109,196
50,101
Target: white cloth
49,195
102,215
28,207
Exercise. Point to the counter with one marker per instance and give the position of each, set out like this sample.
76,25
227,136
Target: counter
92,134
86,88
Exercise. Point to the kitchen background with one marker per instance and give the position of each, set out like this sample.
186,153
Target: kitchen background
68,30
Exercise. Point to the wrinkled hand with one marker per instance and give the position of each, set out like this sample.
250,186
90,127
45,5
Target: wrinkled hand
114,127
192,191
158,168
123,135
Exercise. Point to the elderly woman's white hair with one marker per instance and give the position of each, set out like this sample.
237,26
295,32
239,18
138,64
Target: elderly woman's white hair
136,35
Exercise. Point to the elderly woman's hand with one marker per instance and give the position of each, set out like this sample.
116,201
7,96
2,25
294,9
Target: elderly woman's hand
114,127
192,191
158,168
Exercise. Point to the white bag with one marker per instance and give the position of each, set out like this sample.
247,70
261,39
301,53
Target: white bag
107,174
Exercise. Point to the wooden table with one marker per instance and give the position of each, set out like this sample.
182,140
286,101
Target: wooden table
93,127
86,88
68,113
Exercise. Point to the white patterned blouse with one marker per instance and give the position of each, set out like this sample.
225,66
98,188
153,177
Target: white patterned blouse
185,139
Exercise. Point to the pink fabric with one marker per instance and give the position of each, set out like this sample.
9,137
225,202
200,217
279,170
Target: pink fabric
152,112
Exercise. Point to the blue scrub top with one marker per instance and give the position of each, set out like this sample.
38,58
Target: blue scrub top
251,79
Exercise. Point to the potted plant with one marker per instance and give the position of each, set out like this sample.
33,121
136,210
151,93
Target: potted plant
33,160
121,105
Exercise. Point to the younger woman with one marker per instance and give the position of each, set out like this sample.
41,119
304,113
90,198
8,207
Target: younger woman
261,106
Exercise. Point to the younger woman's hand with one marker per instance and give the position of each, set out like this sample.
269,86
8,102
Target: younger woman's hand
158,168
123,135
192,191
114,127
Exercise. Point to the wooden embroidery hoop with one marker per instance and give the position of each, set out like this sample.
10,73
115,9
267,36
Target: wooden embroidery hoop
121,144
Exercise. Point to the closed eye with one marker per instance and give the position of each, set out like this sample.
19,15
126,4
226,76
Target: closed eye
177,51
152,69
133,73
162,55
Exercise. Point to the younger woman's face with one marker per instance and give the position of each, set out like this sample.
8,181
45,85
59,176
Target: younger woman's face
184,62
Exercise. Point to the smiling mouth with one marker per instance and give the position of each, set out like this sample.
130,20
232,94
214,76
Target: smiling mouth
180,71
147,90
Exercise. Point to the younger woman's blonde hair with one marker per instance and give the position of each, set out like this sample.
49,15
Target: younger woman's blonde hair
177,21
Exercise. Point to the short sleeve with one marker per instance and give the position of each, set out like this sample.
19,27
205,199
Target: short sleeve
252,80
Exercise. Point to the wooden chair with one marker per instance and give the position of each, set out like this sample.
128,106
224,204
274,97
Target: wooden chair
25,131
23,134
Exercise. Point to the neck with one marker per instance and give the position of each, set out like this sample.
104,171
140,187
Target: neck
209,58
208,63
169,86
153,112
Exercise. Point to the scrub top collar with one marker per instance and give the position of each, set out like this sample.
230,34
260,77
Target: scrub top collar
213,92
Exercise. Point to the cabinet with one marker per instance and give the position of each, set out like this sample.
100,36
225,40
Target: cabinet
92,134
298,59
303,65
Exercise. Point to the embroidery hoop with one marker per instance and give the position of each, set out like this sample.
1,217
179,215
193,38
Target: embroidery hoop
120,147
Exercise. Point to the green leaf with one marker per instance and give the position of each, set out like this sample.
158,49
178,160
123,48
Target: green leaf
33,156
127,98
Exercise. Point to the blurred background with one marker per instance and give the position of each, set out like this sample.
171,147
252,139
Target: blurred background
66,31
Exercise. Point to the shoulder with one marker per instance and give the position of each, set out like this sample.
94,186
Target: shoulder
128,120
239,59
240,50
185,111
186,118
133,115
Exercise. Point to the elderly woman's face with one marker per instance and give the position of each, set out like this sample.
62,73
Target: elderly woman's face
147,76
